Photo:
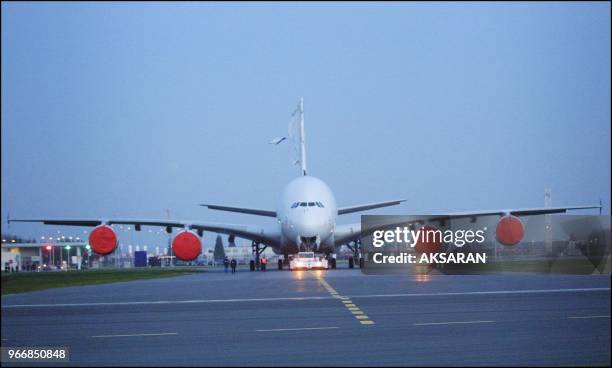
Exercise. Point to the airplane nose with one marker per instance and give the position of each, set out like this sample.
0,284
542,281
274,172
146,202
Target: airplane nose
310,226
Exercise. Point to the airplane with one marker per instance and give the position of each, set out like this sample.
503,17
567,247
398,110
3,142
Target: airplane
306,218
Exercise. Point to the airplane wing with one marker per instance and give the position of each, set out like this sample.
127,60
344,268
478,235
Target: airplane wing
341,211
514,212
369,206
250,211
269,236
350,232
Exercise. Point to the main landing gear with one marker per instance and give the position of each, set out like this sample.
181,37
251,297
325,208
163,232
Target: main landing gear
355,246
257,251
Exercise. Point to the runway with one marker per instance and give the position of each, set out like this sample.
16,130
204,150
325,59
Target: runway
336,317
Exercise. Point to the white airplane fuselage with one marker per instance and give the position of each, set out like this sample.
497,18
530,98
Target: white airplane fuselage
307,216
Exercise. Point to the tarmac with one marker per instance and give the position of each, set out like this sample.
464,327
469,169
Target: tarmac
336,317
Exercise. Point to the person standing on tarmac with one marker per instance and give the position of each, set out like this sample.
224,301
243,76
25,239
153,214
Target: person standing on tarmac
225,263
264,262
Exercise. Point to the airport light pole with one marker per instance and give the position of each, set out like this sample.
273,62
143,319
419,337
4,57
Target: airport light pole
67,257
49,249
170,238
88,247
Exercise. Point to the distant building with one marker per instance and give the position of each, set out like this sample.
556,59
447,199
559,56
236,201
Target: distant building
24,256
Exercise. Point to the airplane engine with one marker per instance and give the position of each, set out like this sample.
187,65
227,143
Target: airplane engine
186,246
103,239
431,243
509,230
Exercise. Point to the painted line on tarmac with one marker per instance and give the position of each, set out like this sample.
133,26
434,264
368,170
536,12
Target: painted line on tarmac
343,298
492,292
138,335
582,317
297,329
357,313
450,323
161,302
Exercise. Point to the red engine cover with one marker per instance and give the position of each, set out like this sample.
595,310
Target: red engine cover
186,246
431,244
509,230
103,240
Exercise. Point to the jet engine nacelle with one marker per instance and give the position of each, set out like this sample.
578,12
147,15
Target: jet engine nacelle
509,230
103,239
186,245
429,240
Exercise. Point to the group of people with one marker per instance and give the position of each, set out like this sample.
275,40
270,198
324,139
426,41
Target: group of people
233,263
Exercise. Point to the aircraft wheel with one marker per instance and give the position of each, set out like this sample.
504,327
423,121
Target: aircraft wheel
280,264
351,262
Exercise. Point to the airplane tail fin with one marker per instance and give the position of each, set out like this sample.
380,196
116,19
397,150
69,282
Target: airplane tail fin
296,134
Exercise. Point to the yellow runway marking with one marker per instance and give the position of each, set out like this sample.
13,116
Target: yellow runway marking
348,303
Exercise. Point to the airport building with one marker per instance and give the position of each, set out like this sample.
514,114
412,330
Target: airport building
32,256
21,256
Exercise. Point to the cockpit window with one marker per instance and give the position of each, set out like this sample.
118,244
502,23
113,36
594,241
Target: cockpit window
307,204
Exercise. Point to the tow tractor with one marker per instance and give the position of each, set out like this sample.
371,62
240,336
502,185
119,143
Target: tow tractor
308,261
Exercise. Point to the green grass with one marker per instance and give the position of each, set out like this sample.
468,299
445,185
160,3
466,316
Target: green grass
22,282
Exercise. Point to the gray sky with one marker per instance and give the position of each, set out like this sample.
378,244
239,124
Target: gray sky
125,110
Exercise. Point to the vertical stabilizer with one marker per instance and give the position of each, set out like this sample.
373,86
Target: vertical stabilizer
297,133
302,138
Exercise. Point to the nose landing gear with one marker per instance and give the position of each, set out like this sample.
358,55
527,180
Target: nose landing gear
308,243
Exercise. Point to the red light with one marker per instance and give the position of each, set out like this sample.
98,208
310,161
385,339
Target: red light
48,247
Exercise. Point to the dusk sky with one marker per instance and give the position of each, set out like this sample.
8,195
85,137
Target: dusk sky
129,109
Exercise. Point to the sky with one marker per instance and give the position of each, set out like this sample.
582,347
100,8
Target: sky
132,109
